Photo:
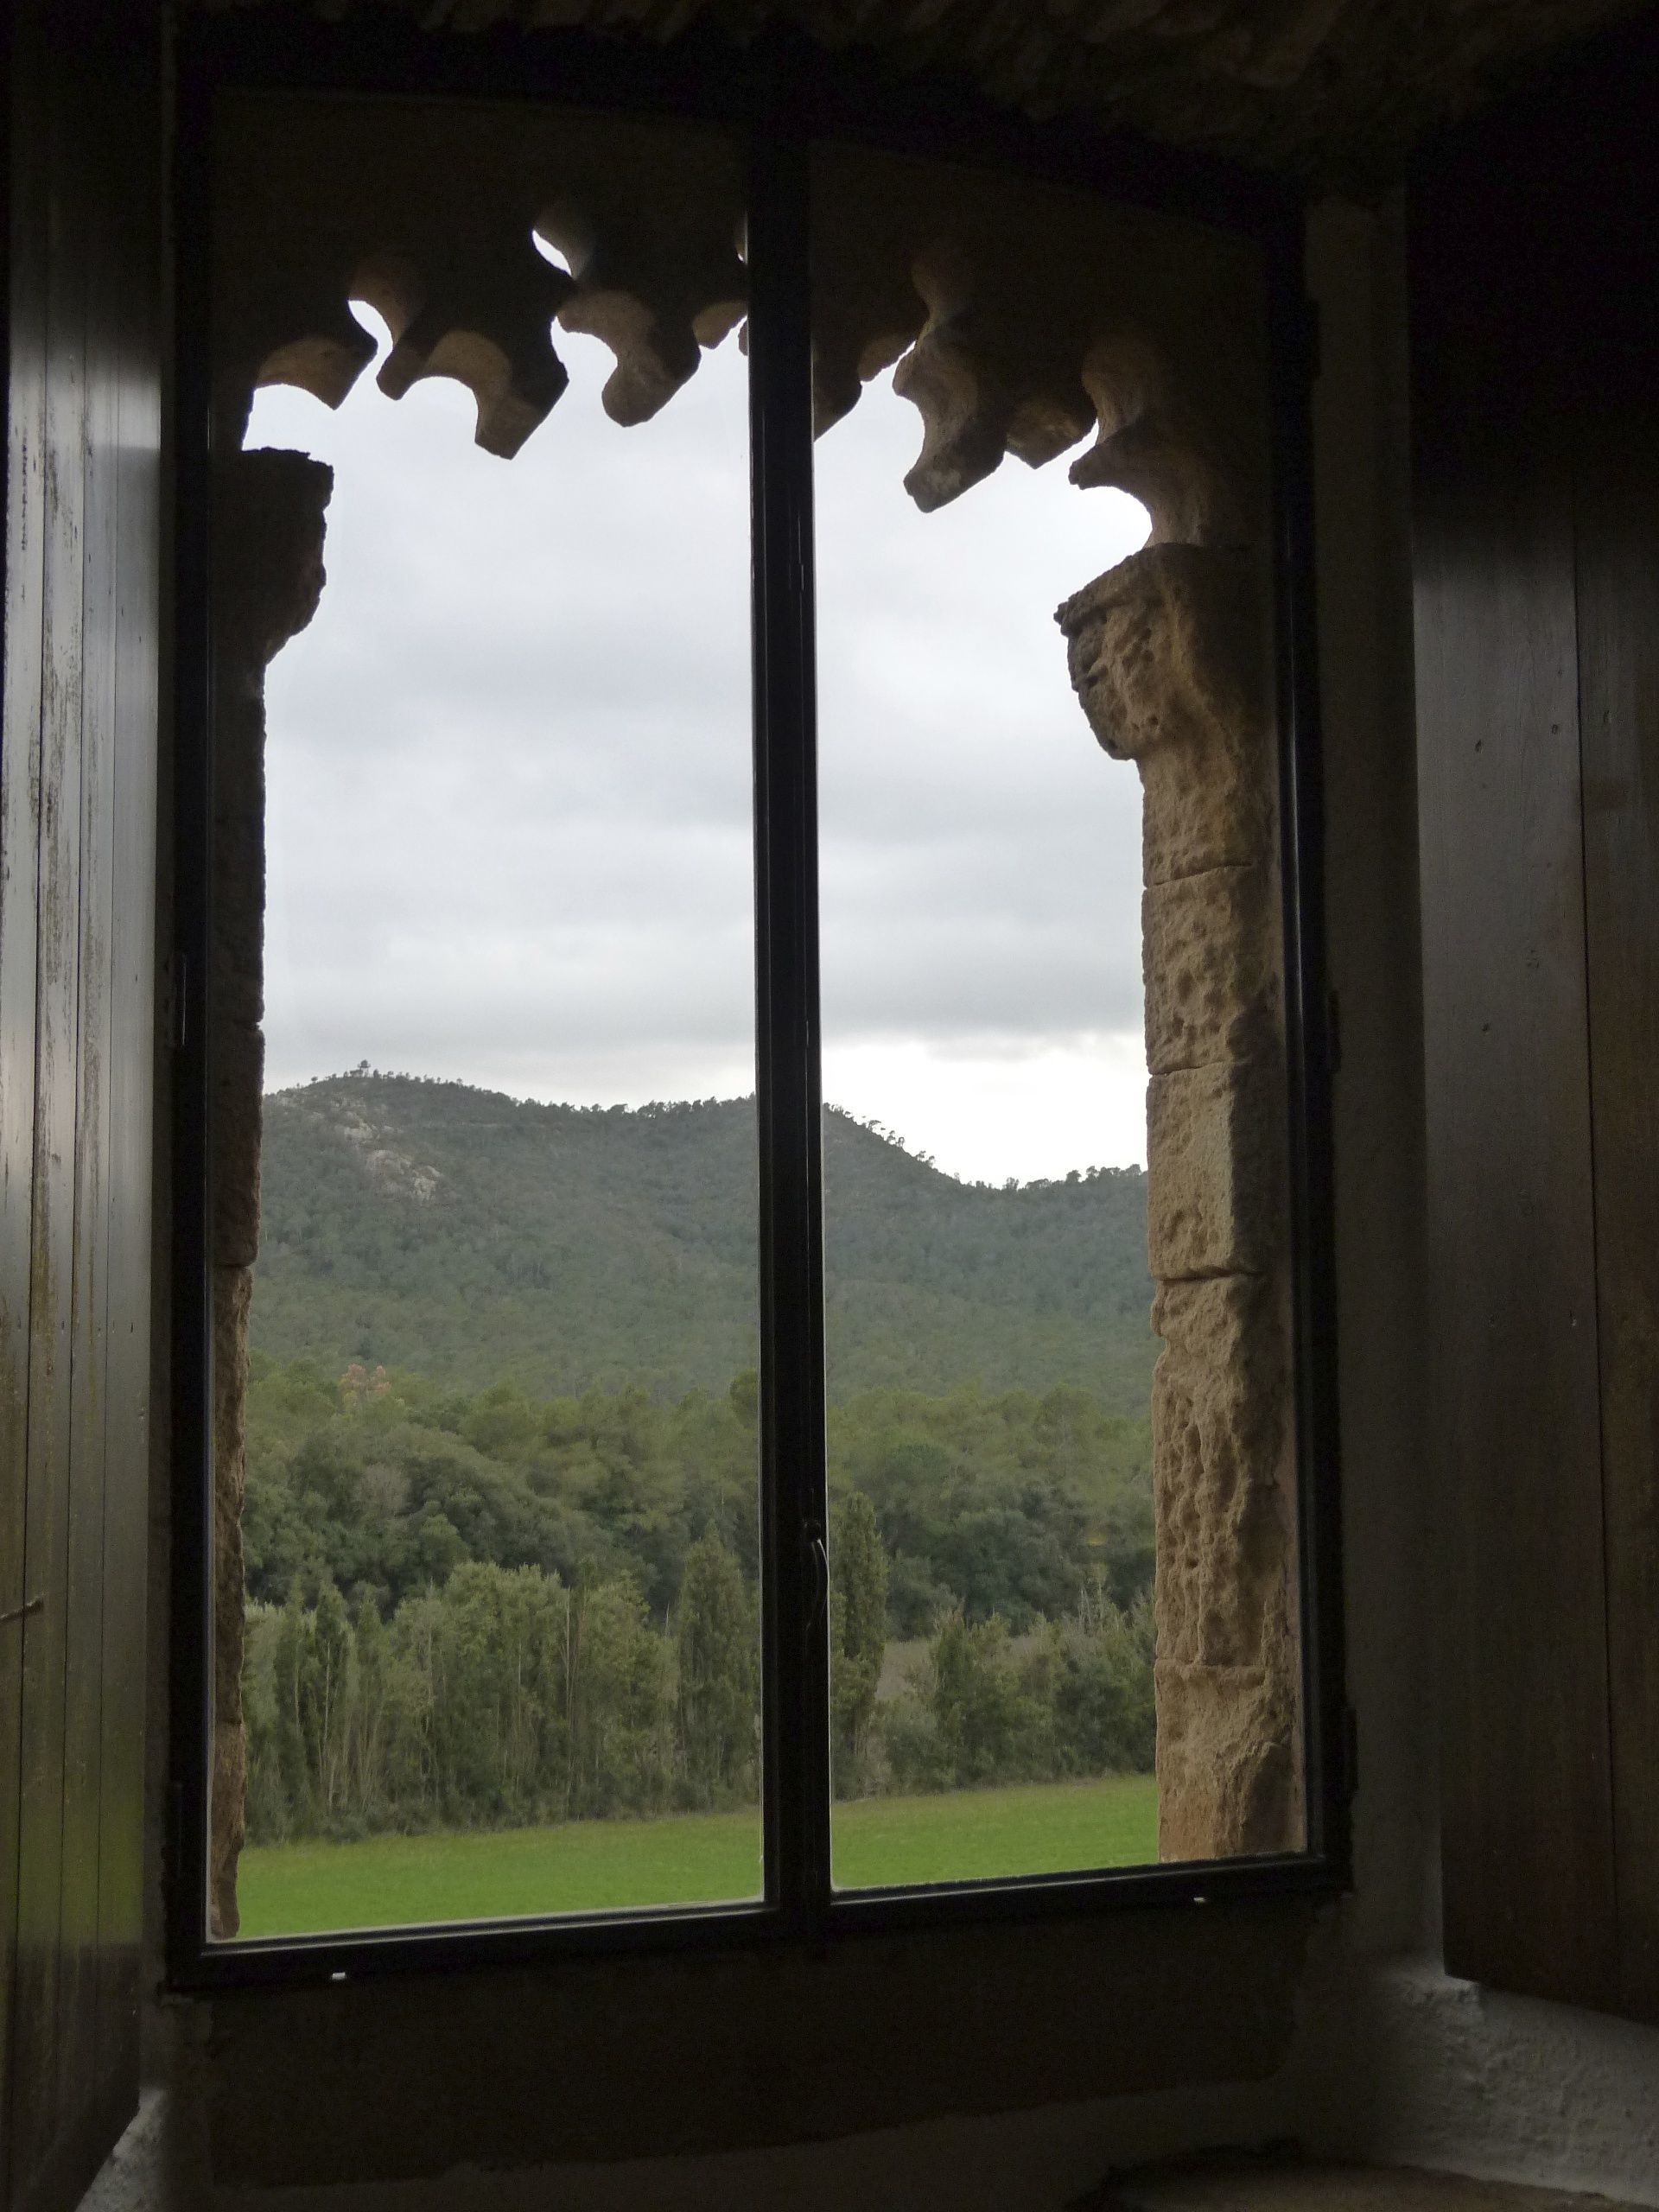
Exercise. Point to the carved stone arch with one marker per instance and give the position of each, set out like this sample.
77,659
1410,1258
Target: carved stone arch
1020,318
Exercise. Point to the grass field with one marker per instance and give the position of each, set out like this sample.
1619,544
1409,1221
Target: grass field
292,1889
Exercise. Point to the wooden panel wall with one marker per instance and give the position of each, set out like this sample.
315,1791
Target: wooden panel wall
1616,451
77,902
1618,569
1534,293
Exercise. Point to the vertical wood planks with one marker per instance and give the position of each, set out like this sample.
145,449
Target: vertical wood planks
78,1991
1608,383
35,2116
77,898
1536,341
1529,1892
135,462
1618,514
20,830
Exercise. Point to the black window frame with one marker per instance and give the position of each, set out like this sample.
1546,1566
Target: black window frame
781,95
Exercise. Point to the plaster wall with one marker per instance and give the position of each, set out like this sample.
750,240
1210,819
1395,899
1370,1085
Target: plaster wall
979,2072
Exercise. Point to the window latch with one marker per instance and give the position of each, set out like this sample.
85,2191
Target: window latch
819,1555
22,1611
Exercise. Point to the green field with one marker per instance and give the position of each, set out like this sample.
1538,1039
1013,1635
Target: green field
294,1889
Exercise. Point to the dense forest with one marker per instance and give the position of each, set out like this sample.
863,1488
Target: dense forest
534,1597
456,1233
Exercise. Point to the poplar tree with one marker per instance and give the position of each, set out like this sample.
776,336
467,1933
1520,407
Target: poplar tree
858,1615
718,1672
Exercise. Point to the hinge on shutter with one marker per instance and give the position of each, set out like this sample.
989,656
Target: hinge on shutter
22,1611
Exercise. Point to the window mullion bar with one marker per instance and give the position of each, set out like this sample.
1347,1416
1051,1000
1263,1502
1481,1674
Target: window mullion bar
795,1571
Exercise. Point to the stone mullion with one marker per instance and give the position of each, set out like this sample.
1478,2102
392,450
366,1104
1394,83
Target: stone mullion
1165,660
268,572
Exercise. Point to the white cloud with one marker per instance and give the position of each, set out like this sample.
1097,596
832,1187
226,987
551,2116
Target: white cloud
509,775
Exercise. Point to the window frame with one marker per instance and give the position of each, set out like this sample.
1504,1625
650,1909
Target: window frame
781,95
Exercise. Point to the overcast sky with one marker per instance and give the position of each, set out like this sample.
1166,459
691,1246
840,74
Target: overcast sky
509,776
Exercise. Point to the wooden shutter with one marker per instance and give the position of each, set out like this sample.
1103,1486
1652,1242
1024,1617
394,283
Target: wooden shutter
1535,309
77,902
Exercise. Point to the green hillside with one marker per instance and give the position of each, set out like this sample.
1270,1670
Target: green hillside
474,1238
501,1530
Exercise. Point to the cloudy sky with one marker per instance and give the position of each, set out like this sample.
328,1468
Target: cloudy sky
509,776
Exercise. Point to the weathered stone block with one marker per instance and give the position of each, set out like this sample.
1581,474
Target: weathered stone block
238,1060
1229,1772
232,1291
1222,1469
1216,1171
1165,655
232,1295
239,836
1200,810
1208,947
228,1829
1228,1673
238,988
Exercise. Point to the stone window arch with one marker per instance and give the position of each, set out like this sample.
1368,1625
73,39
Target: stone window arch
1021,317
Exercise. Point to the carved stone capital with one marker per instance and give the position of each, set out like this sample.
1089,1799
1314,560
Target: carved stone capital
1166,649
268,572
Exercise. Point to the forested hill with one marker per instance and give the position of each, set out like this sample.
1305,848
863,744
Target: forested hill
475,1238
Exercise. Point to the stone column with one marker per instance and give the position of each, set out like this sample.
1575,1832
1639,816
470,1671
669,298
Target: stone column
268,575
1165,654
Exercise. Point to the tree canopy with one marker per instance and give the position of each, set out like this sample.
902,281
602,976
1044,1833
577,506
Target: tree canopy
474,1238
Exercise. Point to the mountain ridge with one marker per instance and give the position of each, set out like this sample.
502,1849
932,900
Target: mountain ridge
430,1225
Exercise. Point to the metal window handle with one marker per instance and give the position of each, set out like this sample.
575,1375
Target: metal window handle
19,1613
820,1556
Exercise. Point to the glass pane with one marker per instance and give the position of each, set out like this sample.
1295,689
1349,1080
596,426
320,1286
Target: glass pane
499,1645
1018,1532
